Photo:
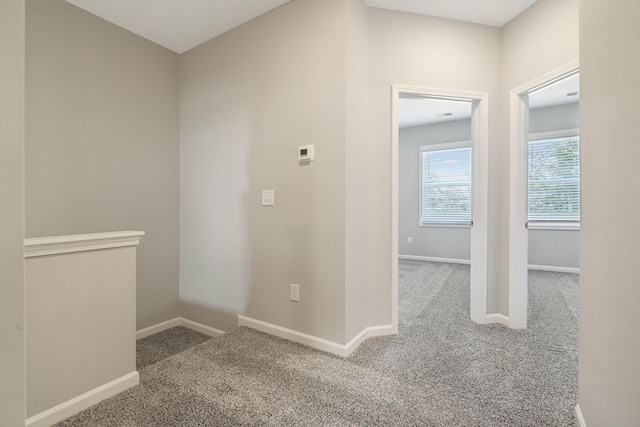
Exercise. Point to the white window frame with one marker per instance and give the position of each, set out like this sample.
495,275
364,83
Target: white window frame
552,225
440,147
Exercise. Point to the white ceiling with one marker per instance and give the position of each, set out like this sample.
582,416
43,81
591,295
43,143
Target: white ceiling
415,111
178,25
182,25
488,12
556,93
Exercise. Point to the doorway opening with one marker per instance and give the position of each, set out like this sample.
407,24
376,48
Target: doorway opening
545,183
451,183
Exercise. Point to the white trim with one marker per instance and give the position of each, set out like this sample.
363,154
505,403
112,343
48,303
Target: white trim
480,206
480,171
84,401
580,417
178,321
199,327
434,259
373,331
554,268
554,134
152,330
498,318
518,211
342,350
40,246
378,331
395,152
445,146
561,226
519,138
465,224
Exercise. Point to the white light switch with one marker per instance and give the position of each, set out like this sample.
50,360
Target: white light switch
267,198
294,292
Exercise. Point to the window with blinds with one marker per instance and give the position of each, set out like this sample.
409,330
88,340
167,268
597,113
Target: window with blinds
445,184
554,180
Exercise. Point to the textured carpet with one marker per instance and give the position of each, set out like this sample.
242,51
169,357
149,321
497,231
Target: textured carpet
162,345
440,370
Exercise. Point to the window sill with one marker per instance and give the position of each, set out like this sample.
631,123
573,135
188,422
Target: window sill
445,225
563,226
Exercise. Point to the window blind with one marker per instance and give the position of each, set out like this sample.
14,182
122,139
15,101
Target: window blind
554,180
445,185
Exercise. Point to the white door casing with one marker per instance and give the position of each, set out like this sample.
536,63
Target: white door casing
519,139
480,181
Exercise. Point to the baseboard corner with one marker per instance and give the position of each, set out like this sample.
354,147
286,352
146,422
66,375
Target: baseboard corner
497,318
178,321
342,350
84,401
154,329
579,417
371,331
199,327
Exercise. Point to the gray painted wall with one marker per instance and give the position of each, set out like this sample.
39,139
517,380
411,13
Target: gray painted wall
249,98
357,91
557,117
558,248
438,242
102,141
540,40
12,364
609,291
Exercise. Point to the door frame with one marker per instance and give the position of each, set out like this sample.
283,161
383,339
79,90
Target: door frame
518,171
480,192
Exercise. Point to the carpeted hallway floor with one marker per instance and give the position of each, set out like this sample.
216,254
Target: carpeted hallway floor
440,370
165,344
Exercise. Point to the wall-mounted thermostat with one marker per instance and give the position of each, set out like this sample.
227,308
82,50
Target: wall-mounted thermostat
305,153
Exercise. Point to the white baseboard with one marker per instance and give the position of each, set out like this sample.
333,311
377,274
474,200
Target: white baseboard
163,326
466,261
343,350
497,318
579,417
84,401
178,321
434,259
203,329
554,268
373,331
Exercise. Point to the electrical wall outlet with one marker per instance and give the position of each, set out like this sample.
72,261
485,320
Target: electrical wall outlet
294,292
409,240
